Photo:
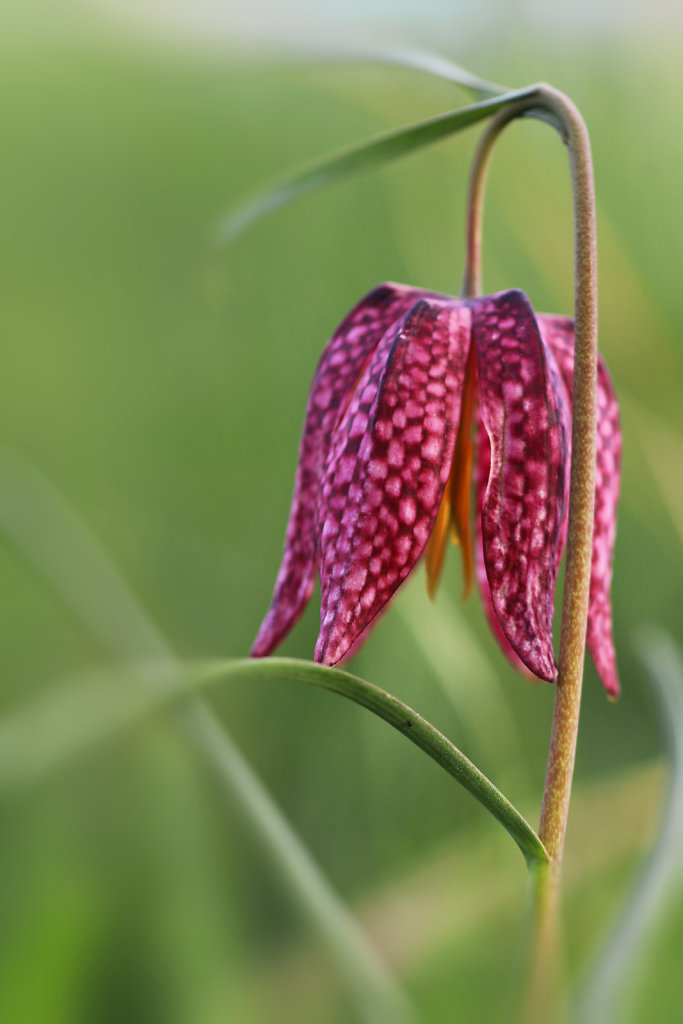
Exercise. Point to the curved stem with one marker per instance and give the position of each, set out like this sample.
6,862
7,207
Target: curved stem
408,722
582,488
565,725
527,106
472,277
122,703
562,113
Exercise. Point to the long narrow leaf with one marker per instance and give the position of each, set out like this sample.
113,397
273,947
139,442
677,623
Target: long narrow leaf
364,157
87,717
46,530
412,59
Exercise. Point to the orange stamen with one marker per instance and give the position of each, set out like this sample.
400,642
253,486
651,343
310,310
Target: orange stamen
436,545
454,510
461,475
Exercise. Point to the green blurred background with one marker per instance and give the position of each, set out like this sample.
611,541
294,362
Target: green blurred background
159,383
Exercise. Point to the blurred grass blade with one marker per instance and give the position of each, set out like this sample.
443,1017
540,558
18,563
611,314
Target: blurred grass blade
53,539
663,449
413,59
77,717
431,627
364,157
608,989
62,550
378,997
87,724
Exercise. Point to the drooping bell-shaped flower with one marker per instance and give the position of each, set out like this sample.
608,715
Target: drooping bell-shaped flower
386,459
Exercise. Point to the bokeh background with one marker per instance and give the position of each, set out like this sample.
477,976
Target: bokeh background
152,386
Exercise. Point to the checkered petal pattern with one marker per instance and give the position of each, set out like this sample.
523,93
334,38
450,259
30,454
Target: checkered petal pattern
525,412
377,452
558,333
340,366
387,470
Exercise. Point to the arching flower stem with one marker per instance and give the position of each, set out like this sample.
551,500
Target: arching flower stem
558,109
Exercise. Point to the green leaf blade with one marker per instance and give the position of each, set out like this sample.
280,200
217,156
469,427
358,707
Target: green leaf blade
410,724
401,57
365,156
87,722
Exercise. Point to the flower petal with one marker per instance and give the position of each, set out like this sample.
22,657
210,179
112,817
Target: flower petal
526,418
387,469
338,371
559,335
481,479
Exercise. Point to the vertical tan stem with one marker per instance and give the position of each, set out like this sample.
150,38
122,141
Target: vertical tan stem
543,1002
582,491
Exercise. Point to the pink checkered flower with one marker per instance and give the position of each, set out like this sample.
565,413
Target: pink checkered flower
387,457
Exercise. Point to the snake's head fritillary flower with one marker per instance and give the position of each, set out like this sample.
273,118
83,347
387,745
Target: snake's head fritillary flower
386,461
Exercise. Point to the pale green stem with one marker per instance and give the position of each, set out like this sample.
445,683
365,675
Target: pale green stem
563,114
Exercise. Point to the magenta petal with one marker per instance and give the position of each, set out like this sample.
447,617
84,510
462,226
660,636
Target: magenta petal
559,335
481,478
525,416
387,469
339,368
